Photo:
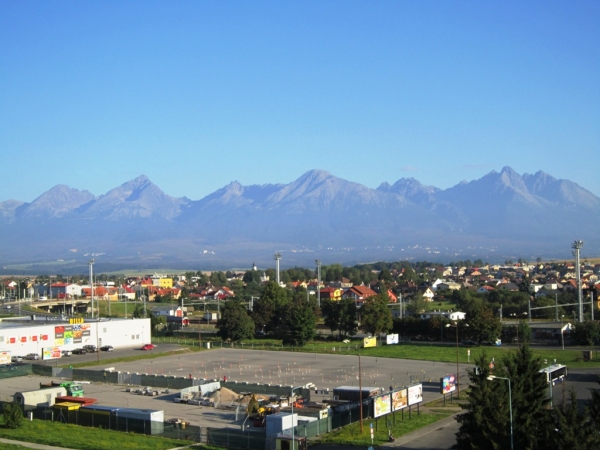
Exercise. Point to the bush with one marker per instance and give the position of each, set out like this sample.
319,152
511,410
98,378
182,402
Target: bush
13,415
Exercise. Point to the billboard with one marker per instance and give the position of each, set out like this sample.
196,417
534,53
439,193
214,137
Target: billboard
51,353
448,384
391,339
382,405
399,399
4,357
370,342
415,394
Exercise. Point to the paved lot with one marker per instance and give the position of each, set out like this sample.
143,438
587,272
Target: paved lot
292,368
252,366
285,368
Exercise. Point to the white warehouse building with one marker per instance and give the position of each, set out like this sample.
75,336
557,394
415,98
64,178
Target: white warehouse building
21,336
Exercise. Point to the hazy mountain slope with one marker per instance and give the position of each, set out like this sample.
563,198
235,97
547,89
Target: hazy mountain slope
138,224
55,203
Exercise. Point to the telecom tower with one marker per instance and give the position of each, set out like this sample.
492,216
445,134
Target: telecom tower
277,258
577,246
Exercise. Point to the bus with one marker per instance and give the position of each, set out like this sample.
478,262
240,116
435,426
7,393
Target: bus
555,373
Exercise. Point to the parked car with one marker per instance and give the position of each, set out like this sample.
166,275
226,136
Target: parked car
33,356
66,353
107,348
469,342
148,347
16,359
90,348
79,351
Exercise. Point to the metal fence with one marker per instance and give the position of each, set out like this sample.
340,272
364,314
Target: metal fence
232,437
15,370
176,430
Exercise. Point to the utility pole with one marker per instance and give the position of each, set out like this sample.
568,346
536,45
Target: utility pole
318,262
577,246
91,263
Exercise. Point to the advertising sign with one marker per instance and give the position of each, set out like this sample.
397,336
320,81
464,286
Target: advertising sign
448,384
370,342
399,399
391,339
415,394
51,353
382,405
4,357
71,334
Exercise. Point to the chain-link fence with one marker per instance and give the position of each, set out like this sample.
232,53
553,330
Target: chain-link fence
15,370
231,437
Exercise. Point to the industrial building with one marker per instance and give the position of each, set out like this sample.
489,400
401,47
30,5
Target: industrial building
48,337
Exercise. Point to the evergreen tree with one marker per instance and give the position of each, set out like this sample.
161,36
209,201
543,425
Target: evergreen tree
484,425
568,427
529,395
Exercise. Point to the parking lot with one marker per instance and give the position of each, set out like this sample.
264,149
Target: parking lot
325,371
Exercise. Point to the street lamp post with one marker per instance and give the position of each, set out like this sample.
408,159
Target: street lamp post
292,400
455,326
493,377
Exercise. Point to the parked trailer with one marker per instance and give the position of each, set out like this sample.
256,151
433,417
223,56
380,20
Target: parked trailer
143,420
39,397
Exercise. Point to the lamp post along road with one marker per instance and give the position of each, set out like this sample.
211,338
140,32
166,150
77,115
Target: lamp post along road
292,400
455,326
493,377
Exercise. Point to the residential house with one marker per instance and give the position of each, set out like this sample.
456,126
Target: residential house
359,294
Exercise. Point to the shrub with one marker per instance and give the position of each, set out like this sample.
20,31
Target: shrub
13,415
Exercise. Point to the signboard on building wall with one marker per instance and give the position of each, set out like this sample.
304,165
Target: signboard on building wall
51,353
370,342
71,334
415,394
382,405
399,399
391,339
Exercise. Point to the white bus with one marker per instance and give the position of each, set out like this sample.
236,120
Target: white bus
555,373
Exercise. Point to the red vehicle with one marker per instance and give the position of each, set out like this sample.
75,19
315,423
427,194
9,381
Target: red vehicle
148,347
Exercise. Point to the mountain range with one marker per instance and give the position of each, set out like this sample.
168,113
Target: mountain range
318,216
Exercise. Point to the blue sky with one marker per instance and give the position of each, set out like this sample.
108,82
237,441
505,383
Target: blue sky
196,94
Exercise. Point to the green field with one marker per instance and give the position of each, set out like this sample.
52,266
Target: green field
422,351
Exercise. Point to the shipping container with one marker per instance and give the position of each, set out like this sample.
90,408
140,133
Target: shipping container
352,393
39,397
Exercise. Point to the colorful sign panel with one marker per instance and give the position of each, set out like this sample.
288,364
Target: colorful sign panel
370,342
448,384
391,339
51,353
415,394
382,405
71,334
399,399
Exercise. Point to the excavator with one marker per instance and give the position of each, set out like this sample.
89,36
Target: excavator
258,409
